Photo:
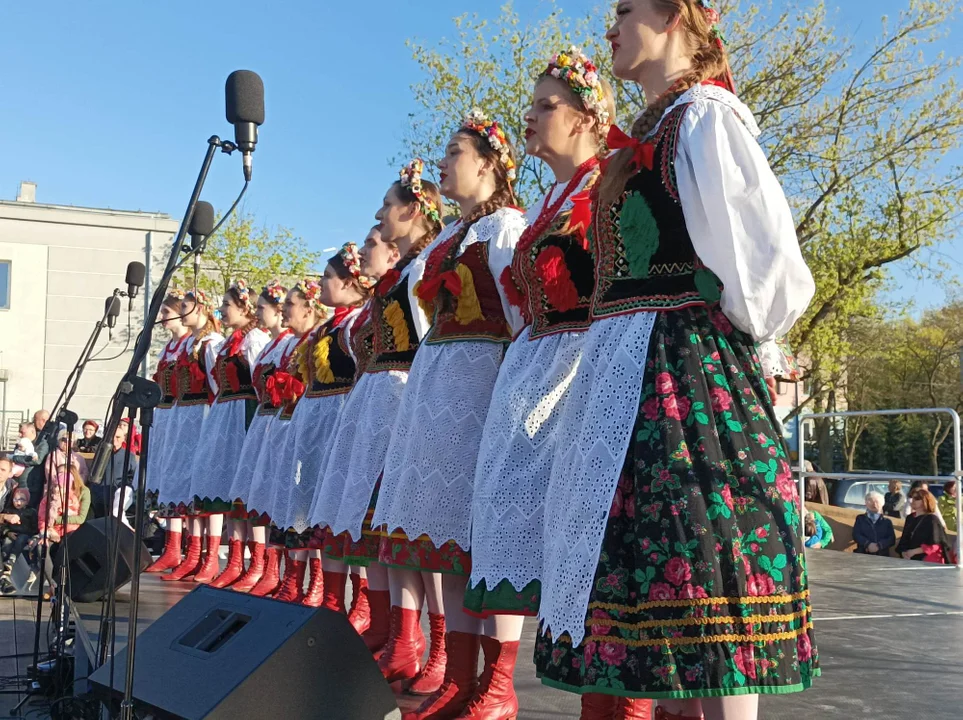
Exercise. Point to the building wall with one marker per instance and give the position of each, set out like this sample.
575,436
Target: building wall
67,261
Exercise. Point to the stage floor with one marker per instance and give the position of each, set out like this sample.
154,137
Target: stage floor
890,636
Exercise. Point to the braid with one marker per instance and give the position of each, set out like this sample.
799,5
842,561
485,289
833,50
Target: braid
211,326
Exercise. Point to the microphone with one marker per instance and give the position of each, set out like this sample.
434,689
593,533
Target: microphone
244,103
136,273
202,225
112,310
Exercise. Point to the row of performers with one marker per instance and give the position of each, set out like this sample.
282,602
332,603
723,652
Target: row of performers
558,413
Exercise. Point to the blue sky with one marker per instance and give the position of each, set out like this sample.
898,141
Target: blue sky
109,104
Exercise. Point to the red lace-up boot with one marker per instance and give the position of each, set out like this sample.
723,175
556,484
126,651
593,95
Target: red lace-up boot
212,563
460,683
360,615
292,584
171,557
191,562
314,597
379,629
495,698
235,565
402,658
432,675
271,579
254,571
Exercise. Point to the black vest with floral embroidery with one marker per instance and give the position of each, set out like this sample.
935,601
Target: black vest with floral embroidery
395,336
332,367
644,257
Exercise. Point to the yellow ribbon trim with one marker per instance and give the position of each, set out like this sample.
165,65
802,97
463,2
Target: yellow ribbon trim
322,361
701,602
468,309
395,317
688,622
705,640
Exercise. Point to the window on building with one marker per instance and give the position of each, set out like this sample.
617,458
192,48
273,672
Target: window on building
4,284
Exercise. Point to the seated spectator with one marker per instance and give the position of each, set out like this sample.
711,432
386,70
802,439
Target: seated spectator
924,537
18,526
908,508
818,532
816,491
7,481
89,442
135,445
116,477
947,506
66,487
894,501
873,532
59,456
24,453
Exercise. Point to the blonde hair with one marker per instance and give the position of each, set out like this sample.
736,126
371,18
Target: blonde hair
709,62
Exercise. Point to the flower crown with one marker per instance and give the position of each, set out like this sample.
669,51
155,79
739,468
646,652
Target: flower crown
199,296
274,291
478,122
713,18
176,294
411,179
352,262
244,293
311,289
574,67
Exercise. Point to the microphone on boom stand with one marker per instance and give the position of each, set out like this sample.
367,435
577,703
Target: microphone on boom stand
244,104
202,225
136,273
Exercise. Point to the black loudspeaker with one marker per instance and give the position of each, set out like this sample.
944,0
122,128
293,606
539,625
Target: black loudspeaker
218,654
88,563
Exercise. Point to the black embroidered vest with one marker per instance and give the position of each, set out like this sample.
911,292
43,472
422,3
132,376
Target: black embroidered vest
644,258
332,367
394,337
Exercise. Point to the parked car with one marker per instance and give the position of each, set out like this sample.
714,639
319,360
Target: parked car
851,492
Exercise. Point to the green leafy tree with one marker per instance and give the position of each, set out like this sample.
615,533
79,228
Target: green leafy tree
241,249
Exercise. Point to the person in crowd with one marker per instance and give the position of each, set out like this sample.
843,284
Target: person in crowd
819,534
135,440
59,456
36,476
947,505
7,481
894,500
908,510
40,419
66,487
924,537
90,440
18,525
816,491
117,476
25,443
873,532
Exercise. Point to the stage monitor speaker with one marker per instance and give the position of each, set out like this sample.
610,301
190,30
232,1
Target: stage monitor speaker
223,655
88,563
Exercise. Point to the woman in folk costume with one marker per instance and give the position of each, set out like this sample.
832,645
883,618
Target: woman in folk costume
673,565
225,427
426,494
196,383
164,423
268,313
409,221
551,281
304,314
330,377
357,339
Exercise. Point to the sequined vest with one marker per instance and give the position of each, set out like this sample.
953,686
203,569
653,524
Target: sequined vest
644,258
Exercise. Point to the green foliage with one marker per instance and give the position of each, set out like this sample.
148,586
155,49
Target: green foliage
257,254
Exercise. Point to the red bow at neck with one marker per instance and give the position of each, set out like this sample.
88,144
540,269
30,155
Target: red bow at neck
387,282
429,289
283,387
643,153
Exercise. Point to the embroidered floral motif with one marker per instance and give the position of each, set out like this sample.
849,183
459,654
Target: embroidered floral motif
637,223
556,279
395,318
468,309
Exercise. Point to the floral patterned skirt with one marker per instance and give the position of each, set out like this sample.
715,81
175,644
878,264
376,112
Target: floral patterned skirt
503,599
701,587
397,551
333,545
365,551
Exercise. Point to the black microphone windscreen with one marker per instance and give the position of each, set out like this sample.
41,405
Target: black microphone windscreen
202,222
244,98
136,273
112,306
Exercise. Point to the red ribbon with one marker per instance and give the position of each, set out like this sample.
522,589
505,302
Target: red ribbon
230,370
428,290
198,378
643,153
581,216
283,387
387,282
234,345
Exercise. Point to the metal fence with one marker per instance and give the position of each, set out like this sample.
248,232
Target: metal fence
957,475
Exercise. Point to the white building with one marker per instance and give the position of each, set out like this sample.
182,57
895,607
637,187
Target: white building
58,264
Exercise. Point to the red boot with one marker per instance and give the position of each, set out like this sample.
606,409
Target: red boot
596,706
270,581
190,563
461,680
334,591
235,565
630,709
402,659
212,563
495,698
432,675
379,629
292,585
315,594
171,557
360,615
254,571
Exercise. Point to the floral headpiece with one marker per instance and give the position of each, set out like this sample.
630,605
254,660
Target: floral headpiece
176,294
478,122
311,289
352,262
713,18
411,179
244,293
574,67
275,291
199,297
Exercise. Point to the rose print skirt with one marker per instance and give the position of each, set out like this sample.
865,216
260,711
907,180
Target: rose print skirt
700,588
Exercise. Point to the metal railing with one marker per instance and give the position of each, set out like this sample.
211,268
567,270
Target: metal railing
957,475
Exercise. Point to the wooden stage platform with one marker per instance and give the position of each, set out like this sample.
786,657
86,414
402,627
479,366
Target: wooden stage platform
890,635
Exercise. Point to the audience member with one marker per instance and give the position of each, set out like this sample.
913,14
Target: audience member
947,505
7,481
908,508
90,441
35,478
818,532
18,526
816,491
873,532
895,501
59,456
117,475
924,537
66,486
135,444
